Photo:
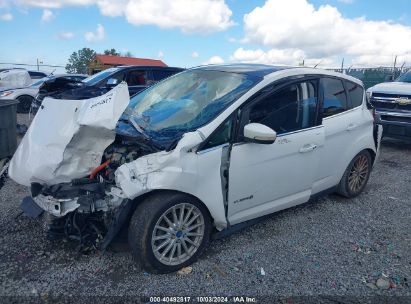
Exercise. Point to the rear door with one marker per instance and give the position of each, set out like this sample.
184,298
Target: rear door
267,178
341,117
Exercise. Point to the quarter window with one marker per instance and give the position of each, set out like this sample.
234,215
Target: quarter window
335,100
292,108
221,136
355,92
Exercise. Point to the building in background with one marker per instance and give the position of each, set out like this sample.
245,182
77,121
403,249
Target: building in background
102,62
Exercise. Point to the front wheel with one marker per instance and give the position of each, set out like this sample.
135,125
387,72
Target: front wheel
169,231
24,104
356,175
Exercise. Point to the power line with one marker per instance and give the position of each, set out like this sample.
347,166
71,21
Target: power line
44,65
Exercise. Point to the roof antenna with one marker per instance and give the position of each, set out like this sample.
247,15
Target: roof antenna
318,63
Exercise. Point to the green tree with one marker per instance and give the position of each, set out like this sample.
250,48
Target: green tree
80,60
111,52
128,54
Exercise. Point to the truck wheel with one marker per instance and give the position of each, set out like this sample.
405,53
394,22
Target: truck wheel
168,231
24,103
356,175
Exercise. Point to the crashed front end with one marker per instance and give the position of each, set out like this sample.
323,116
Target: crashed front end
68,158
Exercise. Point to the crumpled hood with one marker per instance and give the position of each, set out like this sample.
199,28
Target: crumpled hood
392,88
67,138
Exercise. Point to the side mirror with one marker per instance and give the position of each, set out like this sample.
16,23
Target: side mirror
112,82
259,133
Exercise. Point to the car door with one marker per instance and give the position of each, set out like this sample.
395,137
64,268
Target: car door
137,80
340,124
264,178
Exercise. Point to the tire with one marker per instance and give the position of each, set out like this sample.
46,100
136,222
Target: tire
24,103
143,229
359,169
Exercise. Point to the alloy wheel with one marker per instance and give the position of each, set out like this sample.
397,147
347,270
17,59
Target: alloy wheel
178,234
358,174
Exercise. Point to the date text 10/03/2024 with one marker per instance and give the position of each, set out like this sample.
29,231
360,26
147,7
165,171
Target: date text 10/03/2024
206,299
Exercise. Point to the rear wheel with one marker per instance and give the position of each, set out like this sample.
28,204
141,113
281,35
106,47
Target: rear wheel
356,175
169,231
24,103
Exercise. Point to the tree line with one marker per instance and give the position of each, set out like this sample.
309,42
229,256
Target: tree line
79,61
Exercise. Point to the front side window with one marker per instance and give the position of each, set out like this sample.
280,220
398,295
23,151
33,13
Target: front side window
335,100
186,101
355,93
290,109
136,78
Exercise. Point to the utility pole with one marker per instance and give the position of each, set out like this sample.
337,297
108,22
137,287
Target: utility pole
38,63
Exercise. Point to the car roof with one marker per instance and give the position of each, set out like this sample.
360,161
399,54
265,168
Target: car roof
260,70
148,67
265,70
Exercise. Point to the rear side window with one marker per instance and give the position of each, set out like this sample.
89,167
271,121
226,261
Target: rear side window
355,93
335,99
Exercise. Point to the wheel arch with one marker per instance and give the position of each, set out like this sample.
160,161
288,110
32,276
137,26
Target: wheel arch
138,200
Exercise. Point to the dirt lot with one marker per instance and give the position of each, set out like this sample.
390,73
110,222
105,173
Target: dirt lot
329,247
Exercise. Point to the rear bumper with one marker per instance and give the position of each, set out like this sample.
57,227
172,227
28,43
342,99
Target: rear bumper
395,124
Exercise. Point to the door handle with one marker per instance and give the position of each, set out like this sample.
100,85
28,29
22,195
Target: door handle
308,148
351,127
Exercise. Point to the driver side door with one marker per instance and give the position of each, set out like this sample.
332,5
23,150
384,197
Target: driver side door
264,178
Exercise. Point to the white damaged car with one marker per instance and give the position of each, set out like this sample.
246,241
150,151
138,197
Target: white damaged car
205,151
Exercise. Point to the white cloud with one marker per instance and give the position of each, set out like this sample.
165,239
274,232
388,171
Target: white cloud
292,57
47,15
160,54
6,17
53,3
66,35
98,36
214,60
324,33
187,15
195,55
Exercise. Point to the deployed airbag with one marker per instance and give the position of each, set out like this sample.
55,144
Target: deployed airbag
67,138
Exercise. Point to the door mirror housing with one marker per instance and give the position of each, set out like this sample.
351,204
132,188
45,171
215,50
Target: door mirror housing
259,133
112,82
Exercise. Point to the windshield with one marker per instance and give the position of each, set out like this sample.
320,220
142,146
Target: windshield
405,77
96,78
38,83
187,100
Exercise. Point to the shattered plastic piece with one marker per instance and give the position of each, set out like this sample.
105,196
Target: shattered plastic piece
67,138
372,286
262,271
383,283
185,270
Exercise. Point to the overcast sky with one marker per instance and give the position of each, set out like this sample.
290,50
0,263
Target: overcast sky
192,32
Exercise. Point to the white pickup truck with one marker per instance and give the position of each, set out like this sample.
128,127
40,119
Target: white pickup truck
392,101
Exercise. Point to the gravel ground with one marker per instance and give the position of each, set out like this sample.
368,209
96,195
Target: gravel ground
328,247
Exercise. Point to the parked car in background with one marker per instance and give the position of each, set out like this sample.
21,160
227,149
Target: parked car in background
392,101
37,75
14,78
26,95
210,148
137,77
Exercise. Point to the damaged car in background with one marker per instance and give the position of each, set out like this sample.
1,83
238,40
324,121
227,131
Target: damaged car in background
203,152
